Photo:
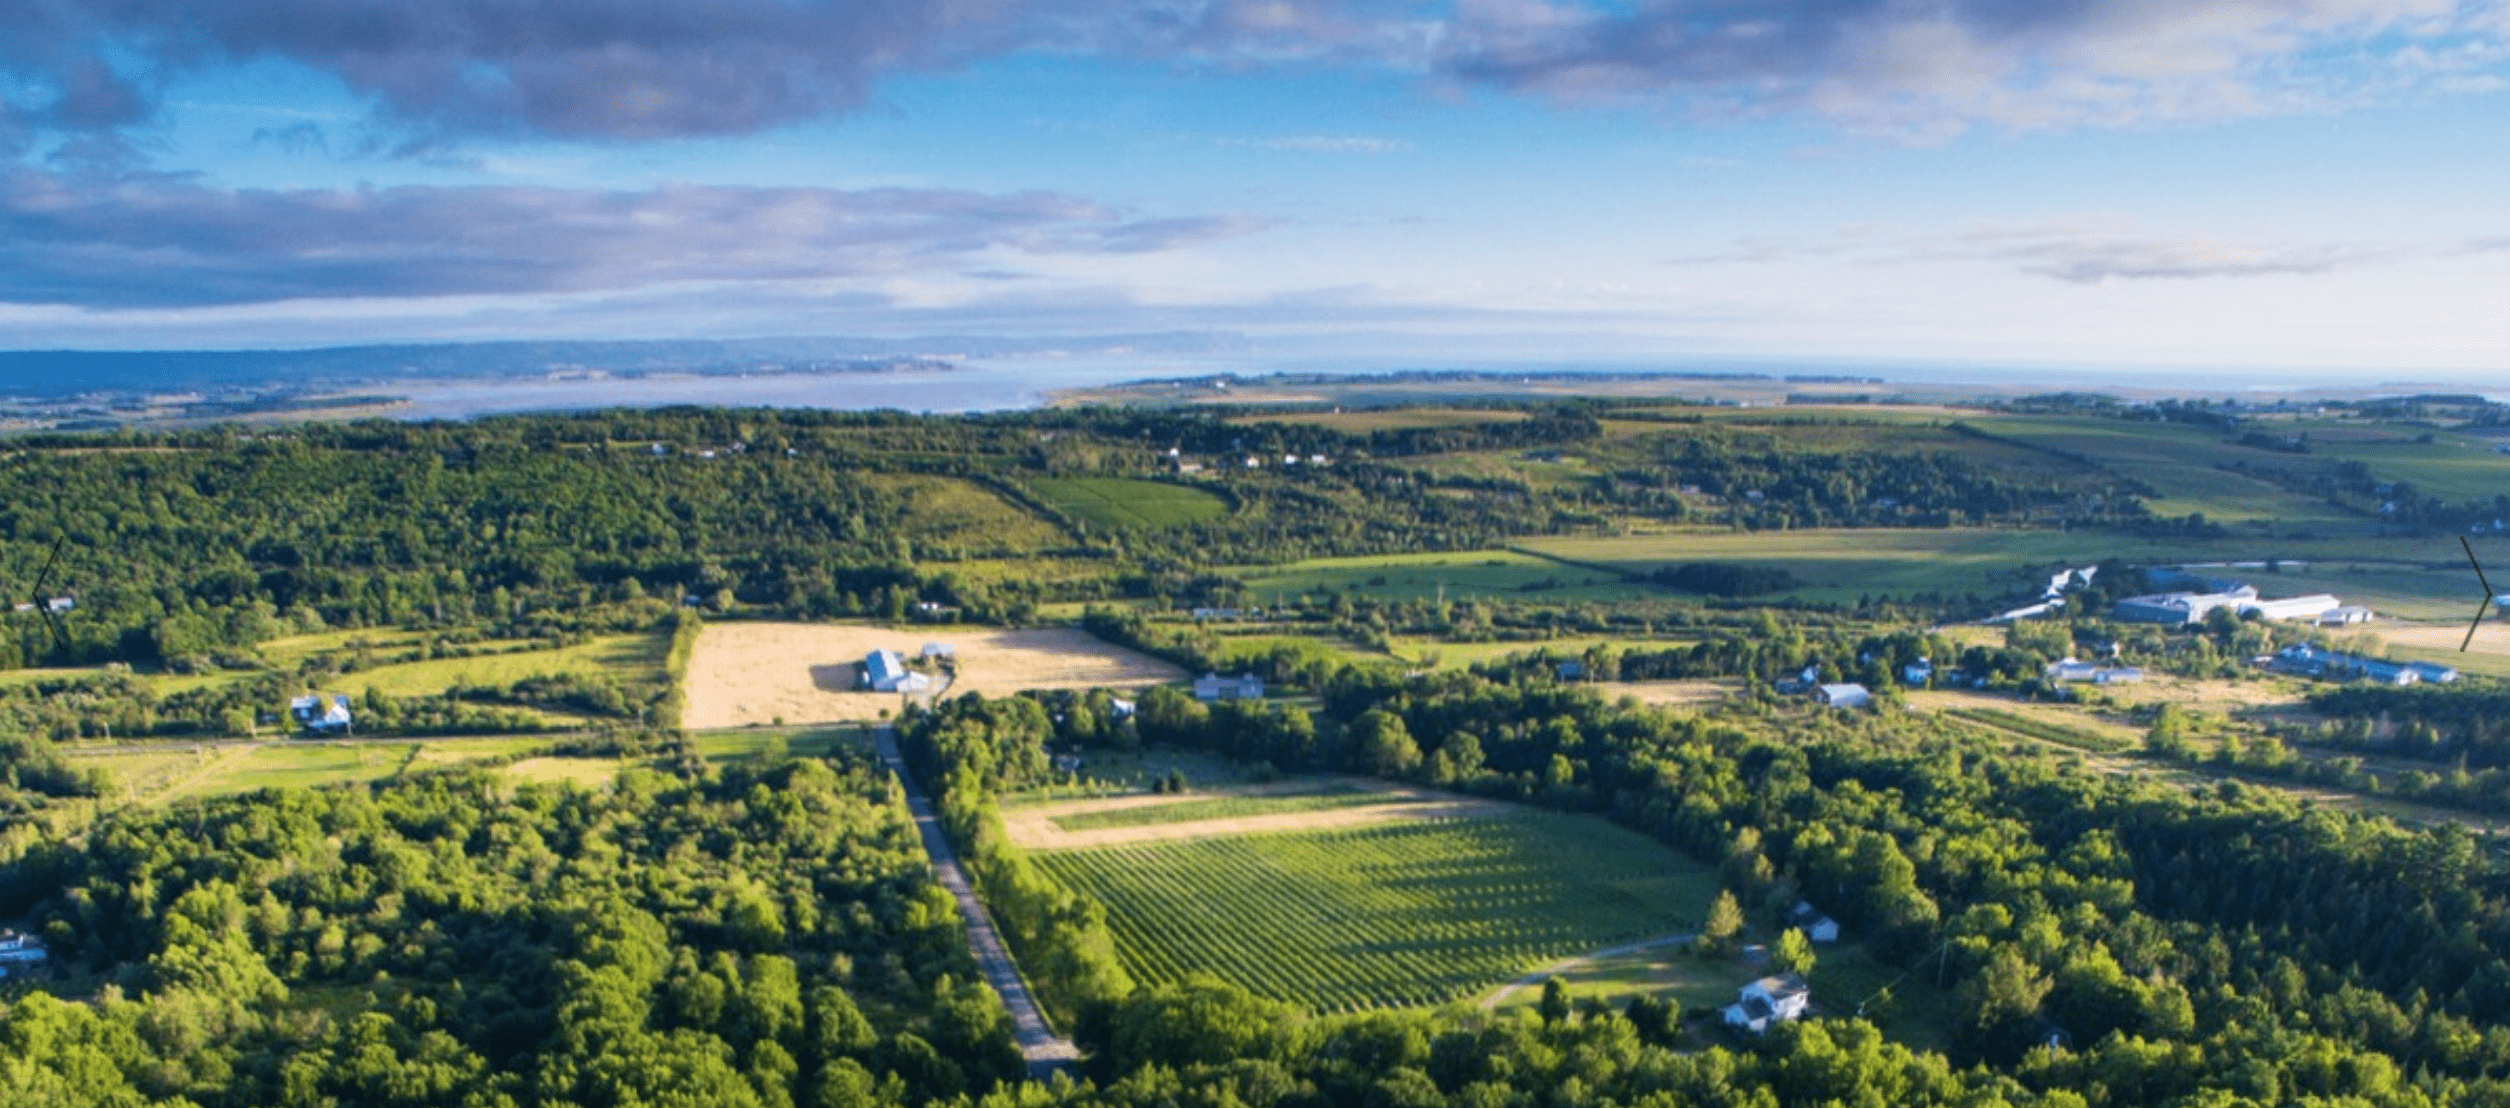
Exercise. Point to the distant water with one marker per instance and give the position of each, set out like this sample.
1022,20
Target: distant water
963,390
984,385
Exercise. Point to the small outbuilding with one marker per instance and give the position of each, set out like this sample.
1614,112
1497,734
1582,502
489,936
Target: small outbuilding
1813,922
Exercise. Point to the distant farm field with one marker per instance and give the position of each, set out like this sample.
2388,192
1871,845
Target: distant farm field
1390,915
760,673
1456,576
1365,420
1123,502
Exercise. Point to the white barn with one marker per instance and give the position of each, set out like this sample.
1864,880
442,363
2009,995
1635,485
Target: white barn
885,671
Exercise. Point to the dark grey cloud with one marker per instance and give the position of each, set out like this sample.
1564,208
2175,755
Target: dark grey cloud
162,241
611,69
632,70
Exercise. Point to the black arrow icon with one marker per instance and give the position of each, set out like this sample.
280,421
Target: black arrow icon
2488,594
42,603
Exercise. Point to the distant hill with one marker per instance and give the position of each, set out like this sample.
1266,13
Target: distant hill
44,374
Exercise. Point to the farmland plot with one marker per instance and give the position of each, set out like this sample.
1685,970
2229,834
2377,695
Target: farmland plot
1389,915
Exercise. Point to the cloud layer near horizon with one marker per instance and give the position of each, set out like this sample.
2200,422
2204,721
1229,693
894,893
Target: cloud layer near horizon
157,241
632,70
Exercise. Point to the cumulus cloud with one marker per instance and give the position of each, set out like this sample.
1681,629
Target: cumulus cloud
163,241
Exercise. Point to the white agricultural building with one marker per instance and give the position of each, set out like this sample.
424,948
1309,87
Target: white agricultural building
1213,687
2313,606
1843,696
885,671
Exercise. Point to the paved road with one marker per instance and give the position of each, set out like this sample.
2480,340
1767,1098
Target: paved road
1045,1051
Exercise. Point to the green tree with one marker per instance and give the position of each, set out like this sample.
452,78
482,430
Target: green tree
1723,927
1792,953
1555,1003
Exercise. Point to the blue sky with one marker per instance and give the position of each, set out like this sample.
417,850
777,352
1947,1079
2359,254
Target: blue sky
2308,184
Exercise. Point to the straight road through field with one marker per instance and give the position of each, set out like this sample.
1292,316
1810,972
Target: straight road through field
1045,1051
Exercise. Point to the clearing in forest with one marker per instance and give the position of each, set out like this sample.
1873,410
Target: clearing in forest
1411,913
758,673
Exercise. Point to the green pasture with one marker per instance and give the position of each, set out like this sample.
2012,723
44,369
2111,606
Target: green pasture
2454,466
1124,502
631,659
1486,574
1389,915
815,742
1237,649
1321,799
2180,463
1841,565
1436,654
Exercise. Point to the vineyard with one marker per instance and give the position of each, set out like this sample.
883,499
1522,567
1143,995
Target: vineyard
1389,915
1122,502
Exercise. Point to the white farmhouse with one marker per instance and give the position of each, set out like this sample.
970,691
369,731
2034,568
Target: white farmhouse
1770,1001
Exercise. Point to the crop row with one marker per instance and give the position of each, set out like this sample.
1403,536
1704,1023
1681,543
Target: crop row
1404,914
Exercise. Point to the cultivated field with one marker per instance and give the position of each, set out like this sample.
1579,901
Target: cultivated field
1410,913
2488,654
1671,694
757,673
1306,805
1457,576
1387,419
1122,502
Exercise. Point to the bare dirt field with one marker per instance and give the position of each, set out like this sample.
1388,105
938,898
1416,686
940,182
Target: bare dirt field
745,673
1033,825
1671,693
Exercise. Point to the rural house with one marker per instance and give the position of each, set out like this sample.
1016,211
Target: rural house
1770,1001
322,713
1212,687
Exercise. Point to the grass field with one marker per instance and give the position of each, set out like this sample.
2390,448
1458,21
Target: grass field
970,520
633,660
1841,565
1483,573
1122,502
2180,463
1321,799
1388,915
1459,655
